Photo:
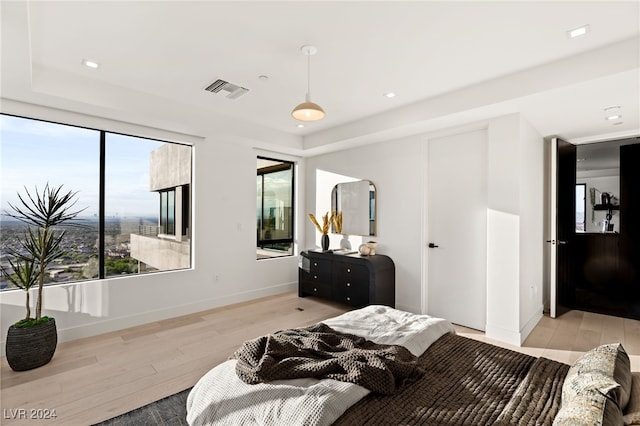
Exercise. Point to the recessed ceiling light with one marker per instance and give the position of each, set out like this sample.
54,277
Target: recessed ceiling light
617,123
263,77
390,95
300,126
90,64
613,117
579,31
613,108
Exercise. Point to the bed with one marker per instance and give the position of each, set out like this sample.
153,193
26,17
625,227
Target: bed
378,366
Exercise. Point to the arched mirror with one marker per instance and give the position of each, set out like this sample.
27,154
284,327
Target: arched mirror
355,202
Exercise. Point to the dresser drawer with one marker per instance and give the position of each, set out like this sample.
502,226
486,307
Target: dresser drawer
348,273
316,289
319,266
351,286
352,295
351,283
317,277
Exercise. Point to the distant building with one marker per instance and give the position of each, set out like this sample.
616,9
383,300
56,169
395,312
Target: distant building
168,245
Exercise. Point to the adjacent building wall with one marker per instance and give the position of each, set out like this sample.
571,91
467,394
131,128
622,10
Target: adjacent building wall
170,167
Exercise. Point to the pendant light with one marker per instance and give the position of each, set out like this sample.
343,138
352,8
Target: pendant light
308,111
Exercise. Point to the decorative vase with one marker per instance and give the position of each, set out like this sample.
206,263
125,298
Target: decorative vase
372,247
325,242
364,249
345,243
31,347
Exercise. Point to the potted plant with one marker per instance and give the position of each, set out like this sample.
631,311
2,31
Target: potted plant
324,229
31,342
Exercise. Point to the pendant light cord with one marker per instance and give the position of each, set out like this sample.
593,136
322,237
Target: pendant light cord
308,76
308,111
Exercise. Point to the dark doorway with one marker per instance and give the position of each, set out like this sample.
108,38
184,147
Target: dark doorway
606,254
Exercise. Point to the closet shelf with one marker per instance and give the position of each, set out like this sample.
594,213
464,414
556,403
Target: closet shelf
606,207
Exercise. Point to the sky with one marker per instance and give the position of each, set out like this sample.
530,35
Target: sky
34,153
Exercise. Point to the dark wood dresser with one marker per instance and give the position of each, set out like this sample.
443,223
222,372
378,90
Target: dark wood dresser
351,279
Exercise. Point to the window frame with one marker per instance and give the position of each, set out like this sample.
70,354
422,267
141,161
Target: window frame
102,143
285,165
168,226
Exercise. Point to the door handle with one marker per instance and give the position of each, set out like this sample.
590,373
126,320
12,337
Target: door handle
554,242
431,245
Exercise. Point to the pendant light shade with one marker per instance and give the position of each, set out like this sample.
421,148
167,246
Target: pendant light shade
308,111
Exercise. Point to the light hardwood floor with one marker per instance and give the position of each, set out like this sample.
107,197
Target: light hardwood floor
93,379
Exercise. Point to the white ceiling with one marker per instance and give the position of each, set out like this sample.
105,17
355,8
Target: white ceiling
448,62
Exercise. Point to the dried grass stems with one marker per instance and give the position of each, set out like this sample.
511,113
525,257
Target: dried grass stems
335,219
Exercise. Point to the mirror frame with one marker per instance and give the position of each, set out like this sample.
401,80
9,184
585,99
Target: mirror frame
371,201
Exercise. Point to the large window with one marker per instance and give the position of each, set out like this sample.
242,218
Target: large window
120,182
274,208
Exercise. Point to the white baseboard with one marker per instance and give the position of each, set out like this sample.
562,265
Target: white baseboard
512,337
407,308
530,325
502,334
115,324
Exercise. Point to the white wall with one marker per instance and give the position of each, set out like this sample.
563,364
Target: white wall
225,267
515,218
503,229
533,241
515,229
396,168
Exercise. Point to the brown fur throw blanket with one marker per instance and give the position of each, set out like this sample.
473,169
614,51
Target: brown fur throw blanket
320,352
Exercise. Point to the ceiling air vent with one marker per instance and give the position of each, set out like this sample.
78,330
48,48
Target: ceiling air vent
234,91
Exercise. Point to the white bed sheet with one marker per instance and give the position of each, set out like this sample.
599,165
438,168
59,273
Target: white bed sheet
388,326
221,398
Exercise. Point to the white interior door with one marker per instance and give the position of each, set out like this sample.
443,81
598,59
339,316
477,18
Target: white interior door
457,228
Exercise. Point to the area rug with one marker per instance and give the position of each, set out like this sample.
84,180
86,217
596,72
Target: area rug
169,411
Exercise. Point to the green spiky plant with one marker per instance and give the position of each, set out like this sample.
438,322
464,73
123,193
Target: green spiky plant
42,212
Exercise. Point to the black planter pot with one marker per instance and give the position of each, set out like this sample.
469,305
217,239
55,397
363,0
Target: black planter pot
31,347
